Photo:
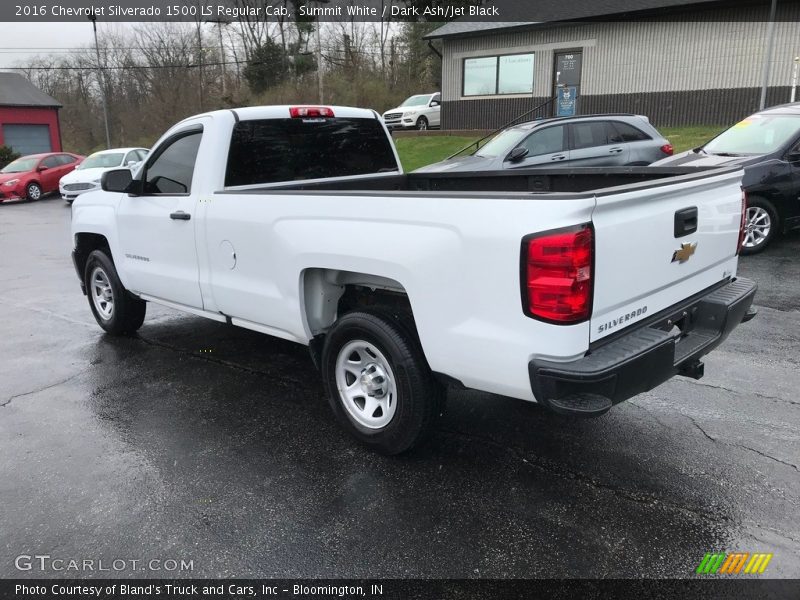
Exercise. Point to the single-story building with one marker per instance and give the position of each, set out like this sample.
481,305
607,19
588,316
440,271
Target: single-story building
28,117
679,62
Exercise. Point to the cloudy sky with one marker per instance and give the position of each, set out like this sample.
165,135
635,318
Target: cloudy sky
21,41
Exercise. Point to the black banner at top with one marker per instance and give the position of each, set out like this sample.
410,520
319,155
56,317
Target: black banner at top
500,12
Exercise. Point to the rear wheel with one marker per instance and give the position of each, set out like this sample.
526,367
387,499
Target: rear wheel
761,225
33,191
379,384
115,309
422,123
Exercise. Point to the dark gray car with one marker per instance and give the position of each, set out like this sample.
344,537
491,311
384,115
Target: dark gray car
612,140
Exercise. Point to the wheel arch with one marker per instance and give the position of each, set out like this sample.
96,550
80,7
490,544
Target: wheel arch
327,293
85,244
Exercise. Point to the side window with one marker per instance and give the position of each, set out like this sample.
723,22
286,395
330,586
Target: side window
66,159
132,156
51,161
171,169
142,154
545,141
437,98
589,134
629,133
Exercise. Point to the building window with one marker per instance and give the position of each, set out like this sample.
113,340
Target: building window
495,75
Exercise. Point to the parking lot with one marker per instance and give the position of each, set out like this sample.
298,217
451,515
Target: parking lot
200,442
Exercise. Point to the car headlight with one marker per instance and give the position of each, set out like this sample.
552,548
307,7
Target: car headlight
408,114
12,182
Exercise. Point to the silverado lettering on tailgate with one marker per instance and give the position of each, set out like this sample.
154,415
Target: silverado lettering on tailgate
622,319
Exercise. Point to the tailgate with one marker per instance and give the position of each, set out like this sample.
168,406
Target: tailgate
647,255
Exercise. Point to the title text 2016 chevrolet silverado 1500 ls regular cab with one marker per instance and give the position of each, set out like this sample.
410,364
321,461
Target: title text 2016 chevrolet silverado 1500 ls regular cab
575,288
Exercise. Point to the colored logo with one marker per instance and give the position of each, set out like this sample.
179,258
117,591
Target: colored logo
734,563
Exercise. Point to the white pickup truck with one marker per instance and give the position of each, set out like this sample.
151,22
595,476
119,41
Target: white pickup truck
574,288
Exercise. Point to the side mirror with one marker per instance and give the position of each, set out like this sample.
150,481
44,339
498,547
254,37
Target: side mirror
41,168
434,103
116,180
517,154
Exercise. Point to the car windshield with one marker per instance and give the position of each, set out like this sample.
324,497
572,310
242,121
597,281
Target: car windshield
416,100
502,143
20,165
102,161
757,134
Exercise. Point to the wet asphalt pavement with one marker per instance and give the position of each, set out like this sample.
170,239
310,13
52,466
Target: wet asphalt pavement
203,442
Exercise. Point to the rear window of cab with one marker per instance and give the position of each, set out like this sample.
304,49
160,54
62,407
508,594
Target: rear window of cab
295,149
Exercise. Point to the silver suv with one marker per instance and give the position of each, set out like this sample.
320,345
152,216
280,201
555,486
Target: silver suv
611,140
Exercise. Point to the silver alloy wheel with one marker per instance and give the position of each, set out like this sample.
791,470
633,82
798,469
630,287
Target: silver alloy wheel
34,192
102,294
366,384
422,124
756,227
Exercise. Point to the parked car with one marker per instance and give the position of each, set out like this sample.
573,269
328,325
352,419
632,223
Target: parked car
298,222
588,141
767,145
31,177
86,176
417,112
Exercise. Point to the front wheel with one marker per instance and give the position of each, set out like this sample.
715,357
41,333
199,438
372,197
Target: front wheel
379,384
115,309
422,123
760,226
33,191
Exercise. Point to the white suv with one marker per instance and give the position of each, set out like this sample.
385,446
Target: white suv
417,112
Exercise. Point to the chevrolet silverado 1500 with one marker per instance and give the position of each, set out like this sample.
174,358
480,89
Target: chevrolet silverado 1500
574,288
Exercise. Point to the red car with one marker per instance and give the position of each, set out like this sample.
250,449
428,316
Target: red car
35,175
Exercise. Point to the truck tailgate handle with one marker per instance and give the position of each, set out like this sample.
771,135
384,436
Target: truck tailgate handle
180,216
685,221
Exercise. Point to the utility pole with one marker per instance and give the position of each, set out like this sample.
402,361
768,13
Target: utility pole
320,89
220,22
794,76
101,78
768,55
200,61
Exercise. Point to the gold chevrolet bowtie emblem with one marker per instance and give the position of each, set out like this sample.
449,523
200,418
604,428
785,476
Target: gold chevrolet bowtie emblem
684,253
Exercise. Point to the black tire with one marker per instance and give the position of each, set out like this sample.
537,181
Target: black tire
127,311
33,192
419,398
422,124
766,208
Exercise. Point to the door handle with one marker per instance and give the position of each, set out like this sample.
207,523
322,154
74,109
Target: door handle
685,221
616,150
558,157
180,216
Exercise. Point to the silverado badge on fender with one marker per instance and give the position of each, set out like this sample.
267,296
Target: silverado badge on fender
684,252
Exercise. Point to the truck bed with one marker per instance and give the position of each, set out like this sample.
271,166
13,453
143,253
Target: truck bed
536,180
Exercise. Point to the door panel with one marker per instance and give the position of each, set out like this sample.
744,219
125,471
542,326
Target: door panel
156,237
50,176
596,144
546,146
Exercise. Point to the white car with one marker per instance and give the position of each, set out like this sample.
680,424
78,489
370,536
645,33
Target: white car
86,177
574,288
417,112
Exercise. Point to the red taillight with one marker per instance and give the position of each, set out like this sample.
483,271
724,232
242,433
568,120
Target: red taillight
742,222
302,112
667,149
557,275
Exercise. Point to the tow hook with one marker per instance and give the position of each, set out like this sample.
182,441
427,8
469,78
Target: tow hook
695,369
751,312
